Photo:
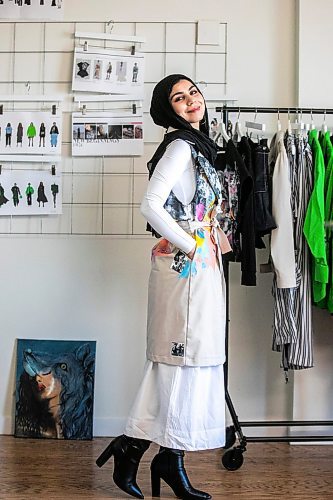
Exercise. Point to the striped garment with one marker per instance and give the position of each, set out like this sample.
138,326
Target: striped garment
292,329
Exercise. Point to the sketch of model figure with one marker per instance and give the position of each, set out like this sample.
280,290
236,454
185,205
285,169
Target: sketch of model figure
54,191
31,133
42,133
41,198
109,71
29,192
97,70
9,131
16,194
135,72
19,134
54,132
121,71
83,66
3,198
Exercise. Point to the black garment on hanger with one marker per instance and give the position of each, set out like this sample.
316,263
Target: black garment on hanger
248,222
264,221
244,231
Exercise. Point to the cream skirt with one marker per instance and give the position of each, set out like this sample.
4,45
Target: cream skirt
180,407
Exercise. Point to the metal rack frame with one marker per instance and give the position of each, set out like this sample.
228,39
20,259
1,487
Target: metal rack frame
233,457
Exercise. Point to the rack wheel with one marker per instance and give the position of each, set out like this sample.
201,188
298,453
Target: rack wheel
230,437
233,459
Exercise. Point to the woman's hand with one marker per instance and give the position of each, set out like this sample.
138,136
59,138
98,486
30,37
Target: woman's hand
190,255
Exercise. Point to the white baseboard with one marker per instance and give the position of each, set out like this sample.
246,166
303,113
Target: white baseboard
6,425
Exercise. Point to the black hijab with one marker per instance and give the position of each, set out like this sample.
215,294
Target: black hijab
163,114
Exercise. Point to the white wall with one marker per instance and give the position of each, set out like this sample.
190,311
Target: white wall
313,398
95,287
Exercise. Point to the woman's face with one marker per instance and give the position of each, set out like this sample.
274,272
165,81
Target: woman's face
187,102
48,386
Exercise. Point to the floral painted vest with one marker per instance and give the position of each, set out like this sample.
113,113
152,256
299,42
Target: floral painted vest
208,193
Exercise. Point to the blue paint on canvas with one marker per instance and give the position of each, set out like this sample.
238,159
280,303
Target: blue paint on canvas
55,388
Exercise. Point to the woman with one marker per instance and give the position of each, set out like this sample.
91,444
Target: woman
180,403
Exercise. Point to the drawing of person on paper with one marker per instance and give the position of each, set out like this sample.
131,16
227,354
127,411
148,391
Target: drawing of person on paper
121,71
109,71
54,191
41,198
19,134
135,72
3,199
29,192
31,133
54,132
16,194
9,131
97,70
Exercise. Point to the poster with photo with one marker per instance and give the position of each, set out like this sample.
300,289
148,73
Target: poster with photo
54,387
30,192
30,133
32,9
103,135
106,71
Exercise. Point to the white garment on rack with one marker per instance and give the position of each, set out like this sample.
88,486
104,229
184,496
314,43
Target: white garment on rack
282,238
178,407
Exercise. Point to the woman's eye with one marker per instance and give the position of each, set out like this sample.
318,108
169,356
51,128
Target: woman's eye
194,91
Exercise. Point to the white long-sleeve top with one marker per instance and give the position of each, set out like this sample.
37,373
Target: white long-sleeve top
282,238
175,172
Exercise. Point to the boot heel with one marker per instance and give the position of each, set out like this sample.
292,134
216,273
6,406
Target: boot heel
105,455
155,485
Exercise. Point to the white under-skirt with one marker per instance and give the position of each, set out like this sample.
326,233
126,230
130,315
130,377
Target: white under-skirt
181,407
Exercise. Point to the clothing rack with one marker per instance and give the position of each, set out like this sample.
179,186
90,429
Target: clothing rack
249,109
233,457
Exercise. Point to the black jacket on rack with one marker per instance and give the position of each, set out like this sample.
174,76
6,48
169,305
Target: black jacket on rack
244,223
263,218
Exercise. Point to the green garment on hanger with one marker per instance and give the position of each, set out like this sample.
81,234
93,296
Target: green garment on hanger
329,239
327,149
314,228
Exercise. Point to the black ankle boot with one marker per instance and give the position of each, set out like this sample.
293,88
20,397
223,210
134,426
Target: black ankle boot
168,465
127,454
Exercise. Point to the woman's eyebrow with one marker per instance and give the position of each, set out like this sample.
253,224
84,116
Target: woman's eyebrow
182,92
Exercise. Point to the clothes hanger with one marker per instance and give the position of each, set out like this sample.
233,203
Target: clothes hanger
324,126
298,124
221,133
256,125
289,124
278,125
238,127
312,124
